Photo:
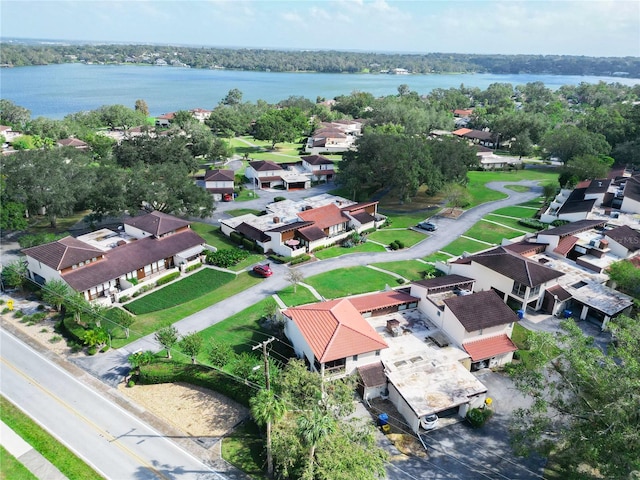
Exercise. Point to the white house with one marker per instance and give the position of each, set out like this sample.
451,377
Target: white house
220,183
103,264
519,281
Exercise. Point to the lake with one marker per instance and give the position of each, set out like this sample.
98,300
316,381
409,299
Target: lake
54,91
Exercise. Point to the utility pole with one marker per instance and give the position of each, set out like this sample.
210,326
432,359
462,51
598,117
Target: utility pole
265,355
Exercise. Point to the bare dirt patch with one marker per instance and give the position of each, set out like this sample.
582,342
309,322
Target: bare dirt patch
43,331
451,212
194,410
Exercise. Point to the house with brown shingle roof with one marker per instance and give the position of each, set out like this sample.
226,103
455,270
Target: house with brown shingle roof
103,265
482,324
337,136
463,316
320,167
623,241
73,142
518,280
293,228
219,183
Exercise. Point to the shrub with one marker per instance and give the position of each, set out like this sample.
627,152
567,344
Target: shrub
278,258
18,314
300,259
348,244
400,244
104,349
92,350
124,298
193,267
236,238
248,244
5,310
131,383
168,372
55,339
393,246
133,281
400,280
40,307
227,257
559,223
167,278
530,222
477,417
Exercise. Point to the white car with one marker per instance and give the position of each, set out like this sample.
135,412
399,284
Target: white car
429,422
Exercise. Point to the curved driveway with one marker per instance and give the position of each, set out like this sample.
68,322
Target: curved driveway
112,366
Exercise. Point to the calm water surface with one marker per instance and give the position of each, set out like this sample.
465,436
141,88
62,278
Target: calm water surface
56,90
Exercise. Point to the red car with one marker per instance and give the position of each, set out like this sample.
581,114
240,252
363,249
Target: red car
263,270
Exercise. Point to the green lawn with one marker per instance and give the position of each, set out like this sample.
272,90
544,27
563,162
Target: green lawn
408,237
481,194
242,211
302,296
350,281
461,245
244,448
516,211
150,322
511,222
10,467
410,269
182,291
490,232
212,235
59,455
338,250
536,202
406,221
437,257
241,331
246,194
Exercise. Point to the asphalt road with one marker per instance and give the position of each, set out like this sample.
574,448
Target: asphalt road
113,441
111,366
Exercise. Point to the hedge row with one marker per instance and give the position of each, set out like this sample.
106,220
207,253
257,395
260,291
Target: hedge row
169,372
167,278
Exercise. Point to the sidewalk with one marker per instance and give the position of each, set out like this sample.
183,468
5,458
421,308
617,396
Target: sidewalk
25,454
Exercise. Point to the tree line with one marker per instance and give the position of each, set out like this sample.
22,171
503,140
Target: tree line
587,127
17,54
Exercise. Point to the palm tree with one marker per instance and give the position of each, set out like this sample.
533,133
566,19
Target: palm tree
266,408
54,293
313,426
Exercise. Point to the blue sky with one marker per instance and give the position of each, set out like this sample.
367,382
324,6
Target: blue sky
584,27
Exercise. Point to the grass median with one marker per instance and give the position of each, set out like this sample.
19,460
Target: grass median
59,455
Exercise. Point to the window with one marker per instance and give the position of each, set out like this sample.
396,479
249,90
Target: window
519,289
377,353
355,358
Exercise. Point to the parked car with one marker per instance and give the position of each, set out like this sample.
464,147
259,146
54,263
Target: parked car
227,197
263,270
429,422
428,226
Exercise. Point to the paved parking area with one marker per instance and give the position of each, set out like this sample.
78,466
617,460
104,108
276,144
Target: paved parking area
461,452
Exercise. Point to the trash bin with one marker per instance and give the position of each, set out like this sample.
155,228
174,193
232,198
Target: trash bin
567,313
520,314
383,419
